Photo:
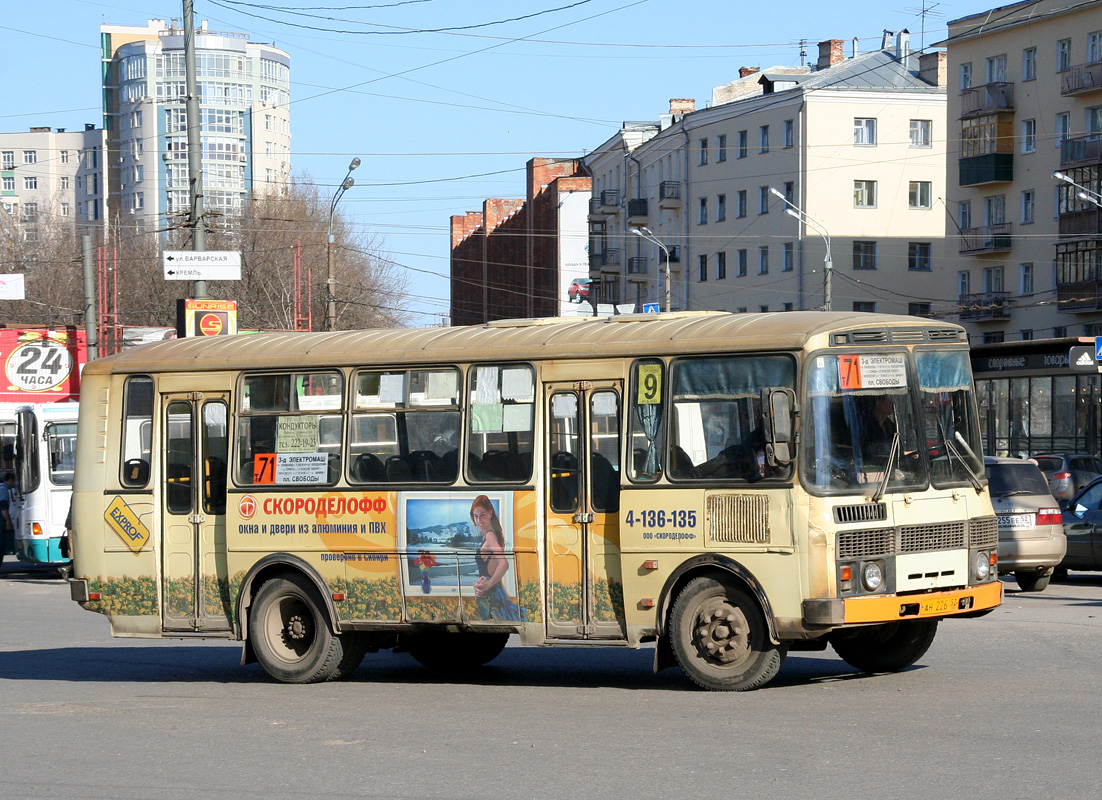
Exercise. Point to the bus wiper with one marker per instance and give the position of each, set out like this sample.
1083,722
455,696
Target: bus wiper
972,476
893,454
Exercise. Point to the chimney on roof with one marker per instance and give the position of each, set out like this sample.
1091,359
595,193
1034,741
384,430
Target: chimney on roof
744,71
902,45
932,69
89,126
40,129
682,105
830,53
886,41
853,52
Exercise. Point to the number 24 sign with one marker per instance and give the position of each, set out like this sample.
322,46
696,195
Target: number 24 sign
38,366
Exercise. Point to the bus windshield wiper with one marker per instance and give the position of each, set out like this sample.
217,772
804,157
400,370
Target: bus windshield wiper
972,476
893,454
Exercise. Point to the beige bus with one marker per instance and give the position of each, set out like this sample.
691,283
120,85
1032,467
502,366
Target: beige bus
729,487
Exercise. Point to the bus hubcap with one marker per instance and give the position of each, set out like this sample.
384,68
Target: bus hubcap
723,634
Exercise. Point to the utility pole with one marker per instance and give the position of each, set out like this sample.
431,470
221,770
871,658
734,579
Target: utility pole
91,326
194,146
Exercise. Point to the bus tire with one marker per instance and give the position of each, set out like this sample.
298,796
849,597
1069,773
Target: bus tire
440,651
886,648
720,638
291,635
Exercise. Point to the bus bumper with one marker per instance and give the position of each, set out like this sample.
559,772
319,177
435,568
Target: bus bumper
889,608
41,551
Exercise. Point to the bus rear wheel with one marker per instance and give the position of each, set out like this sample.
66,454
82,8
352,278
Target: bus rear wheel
720,638
291,635
885,648
440,650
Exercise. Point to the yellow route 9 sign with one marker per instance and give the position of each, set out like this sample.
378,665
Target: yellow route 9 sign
649,377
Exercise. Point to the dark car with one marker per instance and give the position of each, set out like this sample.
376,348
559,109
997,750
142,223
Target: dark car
579,290
1083,528
1067,473
1031,537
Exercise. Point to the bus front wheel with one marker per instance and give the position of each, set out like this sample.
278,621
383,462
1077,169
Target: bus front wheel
291,635
720,638
885,648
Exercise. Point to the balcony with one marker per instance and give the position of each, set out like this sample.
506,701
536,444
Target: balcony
1079,151
1082,79
669,195
637,212
611,257
986,99
1080,296
985,239
637,265
983,306
1083,222
605,203
598,225
989,168
1079,275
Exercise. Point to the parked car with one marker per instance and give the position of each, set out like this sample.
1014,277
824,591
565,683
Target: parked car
1067,473
579,290
1031,534
1083,528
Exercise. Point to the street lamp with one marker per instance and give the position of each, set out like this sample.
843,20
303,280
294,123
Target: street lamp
828,265
644,232
1084,194
330,302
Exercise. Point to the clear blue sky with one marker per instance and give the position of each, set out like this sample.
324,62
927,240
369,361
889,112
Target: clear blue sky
443,119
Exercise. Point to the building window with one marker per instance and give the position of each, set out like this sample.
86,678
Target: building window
702,214
63,182
1029,64
964,214
30,156
918,309
30,182
721,266
993,279
919,257
1063,55
740,204
763,260
743,143
721,147
64,209
965,76
964,283
788,307
763,309
1062,127
994,69
1092,119
721,207
1029,135
64,156
763,199
864,307
864,194
993,337
742,309
864,255
994,209
9,183
1025,279
30,212
922,133
918,194
1060,331
740,266
703,152
789,133
789,257
7,159
864,131
1094,47
1028,203
1026,334
702,263
763,139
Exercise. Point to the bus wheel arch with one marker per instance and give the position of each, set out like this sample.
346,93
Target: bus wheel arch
277,565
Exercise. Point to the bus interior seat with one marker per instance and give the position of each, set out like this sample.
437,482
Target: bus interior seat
368,468
681,466
397,470
564,481
605,483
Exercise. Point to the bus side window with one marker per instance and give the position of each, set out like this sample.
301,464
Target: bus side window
646,419
137,432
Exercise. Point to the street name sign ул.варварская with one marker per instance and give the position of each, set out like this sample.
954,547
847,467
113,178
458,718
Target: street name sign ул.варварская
202,265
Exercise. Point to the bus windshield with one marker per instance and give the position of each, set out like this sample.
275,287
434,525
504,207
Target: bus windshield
61,439
951,425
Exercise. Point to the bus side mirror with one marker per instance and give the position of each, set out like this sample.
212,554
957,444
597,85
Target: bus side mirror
779,407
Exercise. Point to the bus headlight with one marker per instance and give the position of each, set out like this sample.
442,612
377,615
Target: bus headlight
983,566
872,576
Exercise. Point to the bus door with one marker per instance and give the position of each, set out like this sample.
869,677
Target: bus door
196,581
584,586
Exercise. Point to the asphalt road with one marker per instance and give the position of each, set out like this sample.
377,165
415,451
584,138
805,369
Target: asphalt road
1007,706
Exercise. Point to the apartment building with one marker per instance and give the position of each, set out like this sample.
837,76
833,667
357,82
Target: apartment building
50,176
852,146
244,95
1027,104
518,256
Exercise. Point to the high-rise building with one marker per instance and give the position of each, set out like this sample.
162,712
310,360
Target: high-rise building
52,176
244,103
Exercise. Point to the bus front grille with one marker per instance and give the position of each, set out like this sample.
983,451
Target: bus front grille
862,544
861,512
940,536
983,532
738,518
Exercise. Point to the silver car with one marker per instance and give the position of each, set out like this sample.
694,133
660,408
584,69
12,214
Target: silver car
1031,533
1067,473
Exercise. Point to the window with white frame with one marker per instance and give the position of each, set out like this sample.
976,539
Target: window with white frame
964,214
1092,119
864,194
964,283
9,183
1028,206
30,156
864,131
64,156
994,69
994,209
1029,64
63,182
1063,55
919,194
30,182
922,133
7,159
993,279
1025,279
965,76
703,152
65,209
1029,135
1094,47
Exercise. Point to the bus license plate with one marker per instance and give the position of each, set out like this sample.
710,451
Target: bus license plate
939,605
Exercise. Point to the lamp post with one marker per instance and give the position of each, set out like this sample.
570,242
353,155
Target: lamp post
828,264
644,232
330,301
1084,194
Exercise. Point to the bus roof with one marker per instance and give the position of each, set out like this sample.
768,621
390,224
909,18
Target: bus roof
530,339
